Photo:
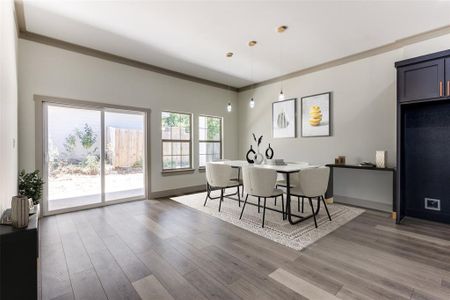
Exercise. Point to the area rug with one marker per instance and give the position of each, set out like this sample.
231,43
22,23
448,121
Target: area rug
276,229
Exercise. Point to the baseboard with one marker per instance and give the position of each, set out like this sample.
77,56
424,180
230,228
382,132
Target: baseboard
178,191
363,203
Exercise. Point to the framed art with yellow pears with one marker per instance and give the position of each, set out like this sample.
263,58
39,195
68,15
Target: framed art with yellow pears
316,112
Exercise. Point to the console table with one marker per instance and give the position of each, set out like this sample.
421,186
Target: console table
329,193
19,251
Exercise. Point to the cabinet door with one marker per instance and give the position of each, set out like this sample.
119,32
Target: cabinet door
447,77
421,81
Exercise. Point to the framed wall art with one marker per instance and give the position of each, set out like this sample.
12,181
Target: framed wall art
284,118
316,112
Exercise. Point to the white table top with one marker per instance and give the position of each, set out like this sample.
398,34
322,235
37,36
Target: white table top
289,168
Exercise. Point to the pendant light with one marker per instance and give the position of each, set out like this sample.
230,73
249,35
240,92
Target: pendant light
252,100
252,103
229,107
281,29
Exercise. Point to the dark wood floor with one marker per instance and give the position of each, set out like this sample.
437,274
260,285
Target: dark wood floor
164,250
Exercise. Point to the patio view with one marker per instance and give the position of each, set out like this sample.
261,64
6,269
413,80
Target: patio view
74,151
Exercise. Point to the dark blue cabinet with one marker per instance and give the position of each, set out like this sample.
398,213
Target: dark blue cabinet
421,80
423,137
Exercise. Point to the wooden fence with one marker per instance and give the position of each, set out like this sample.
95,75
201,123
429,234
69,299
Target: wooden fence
126,146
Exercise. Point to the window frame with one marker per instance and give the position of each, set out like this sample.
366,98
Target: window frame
191,161
210,141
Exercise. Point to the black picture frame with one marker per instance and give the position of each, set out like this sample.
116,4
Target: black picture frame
274,104
329,114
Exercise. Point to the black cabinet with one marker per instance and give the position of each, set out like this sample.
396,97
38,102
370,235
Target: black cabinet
423,137
19,249
421,80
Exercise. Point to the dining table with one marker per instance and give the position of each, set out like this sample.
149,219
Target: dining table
288,169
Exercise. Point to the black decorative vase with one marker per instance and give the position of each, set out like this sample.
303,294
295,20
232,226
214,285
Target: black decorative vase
269,152
250,155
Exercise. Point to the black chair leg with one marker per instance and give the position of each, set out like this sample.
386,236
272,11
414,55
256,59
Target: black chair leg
298,203
207,194
243,206
259,204
303,202
312,209
242,190
282,206
221,199
264,212
275,201
239,195
326,208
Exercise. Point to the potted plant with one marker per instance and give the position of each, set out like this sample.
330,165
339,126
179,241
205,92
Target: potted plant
30,185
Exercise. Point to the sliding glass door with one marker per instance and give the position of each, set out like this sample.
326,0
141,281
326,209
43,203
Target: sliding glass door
92,156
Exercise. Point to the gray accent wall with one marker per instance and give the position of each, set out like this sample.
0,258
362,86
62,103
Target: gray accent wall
50,71
363,120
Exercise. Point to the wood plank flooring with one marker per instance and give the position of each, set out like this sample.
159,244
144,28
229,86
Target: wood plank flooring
160,249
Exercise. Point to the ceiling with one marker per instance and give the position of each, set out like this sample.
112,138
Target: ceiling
192,37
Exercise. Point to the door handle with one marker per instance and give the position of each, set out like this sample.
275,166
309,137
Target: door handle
440,88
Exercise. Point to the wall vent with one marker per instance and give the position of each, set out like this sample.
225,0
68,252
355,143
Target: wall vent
432,204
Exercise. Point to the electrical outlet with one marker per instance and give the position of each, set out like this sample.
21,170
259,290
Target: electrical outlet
432,204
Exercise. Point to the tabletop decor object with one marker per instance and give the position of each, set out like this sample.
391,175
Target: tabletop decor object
250,156
20,210
316,114
284,118
30,185
269,152
380,159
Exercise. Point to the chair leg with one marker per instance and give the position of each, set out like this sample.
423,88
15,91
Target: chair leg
207,194
264,212
326,208
239,195
221,199
259,204
298,203
275,201
242,190
312,209
282,205
303,205
243,206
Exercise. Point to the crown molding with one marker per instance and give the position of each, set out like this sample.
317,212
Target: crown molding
354,57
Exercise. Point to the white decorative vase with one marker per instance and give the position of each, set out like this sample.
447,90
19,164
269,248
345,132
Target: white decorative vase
259,158
20,210
380,159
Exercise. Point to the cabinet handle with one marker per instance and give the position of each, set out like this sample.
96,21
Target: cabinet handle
440,88
448,87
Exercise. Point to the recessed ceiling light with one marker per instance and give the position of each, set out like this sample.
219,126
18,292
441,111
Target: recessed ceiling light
229,54
252,43
282,28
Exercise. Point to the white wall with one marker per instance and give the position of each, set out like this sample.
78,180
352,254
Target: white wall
8,104
363,115
50,71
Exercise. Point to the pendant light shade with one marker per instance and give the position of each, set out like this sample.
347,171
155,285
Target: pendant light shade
281,96
252,103
229,108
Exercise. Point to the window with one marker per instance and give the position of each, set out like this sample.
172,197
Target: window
176,141
210,139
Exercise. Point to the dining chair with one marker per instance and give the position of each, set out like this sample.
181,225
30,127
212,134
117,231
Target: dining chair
312,183
218,176
293,182
260,183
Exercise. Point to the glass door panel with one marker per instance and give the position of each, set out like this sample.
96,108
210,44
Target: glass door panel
124,155
73,157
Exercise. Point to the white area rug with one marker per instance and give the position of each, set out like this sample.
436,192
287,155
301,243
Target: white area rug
276,229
